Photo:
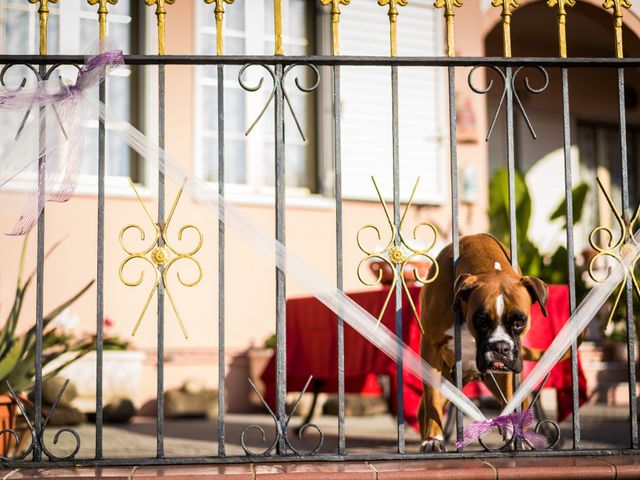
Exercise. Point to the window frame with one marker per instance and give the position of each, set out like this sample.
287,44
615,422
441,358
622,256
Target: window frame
254,191
69,15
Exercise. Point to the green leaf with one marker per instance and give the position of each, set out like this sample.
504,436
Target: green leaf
9,329
57,311
499,205
578,195
12,358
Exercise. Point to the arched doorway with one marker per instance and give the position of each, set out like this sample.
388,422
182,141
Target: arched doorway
594,115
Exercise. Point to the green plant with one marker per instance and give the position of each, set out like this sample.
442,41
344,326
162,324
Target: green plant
18,352
110,341
617,332
270,341
551,268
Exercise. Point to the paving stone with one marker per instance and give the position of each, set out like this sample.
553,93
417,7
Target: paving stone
317,470
112,473
190,472
566,468
626,466
463,469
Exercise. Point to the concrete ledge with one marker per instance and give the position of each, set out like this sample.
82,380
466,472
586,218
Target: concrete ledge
566,468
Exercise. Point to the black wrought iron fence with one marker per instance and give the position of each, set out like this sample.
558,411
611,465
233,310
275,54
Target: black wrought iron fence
276,67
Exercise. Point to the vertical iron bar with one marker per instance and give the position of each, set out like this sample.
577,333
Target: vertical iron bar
281,326
455,234
633,408
221,265
337,154
161,220
396,221
513,235
102,93
571,273
42,165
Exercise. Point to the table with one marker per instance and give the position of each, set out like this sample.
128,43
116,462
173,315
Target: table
312,350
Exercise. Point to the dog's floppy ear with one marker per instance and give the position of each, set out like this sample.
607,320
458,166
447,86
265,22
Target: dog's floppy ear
538,291
462,288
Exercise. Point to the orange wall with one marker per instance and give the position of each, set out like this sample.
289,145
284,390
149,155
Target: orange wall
250,281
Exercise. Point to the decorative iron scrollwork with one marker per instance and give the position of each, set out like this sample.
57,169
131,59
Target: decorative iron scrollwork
161,255
279,84
512,87
39,78
282,428
615,248
397,253
37,432
552,428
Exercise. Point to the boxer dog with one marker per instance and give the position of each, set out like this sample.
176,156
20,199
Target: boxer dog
494,301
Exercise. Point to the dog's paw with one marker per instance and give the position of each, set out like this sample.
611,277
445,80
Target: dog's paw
433,445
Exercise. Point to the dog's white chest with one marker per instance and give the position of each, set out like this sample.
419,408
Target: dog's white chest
468,344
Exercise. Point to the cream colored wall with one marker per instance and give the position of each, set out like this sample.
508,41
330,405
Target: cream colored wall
250,281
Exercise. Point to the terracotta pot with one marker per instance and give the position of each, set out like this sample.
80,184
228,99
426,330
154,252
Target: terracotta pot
422,266
8,412
258,360
617,351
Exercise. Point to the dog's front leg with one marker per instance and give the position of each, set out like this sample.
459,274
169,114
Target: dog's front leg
431,411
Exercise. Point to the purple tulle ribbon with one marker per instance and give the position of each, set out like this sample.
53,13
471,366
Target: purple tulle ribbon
88,75
514,422
61,105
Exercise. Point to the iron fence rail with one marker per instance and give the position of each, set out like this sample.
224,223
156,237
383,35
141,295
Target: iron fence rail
278,66
328,60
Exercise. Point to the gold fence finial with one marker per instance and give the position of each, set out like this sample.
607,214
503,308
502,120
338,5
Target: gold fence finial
506,21
102,17
219,13
277,26
335,22
160,14
449,15
393,21
43,12
562,22
617,6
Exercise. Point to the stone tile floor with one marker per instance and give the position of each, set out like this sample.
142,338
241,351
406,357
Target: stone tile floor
602,427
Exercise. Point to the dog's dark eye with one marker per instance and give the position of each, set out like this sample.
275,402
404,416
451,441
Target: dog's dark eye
481,321
517,324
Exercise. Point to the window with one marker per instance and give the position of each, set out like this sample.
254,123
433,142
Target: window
366,104
73,26
366,101
249,160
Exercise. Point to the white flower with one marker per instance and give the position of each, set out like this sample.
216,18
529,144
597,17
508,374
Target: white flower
67,321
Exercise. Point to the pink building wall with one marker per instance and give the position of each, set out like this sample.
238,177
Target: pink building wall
250,282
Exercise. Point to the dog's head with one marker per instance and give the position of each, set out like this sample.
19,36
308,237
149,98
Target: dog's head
497,309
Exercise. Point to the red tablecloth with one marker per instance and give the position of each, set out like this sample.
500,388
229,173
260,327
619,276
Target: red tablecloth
543,331
312,350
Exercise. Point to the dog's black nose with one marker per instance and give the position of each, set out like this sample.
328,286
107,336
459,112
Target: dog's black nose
501,348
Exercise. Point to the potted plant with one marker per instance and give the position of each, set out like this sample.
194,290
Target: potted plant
18,352
258,360
615,341
552,267
122,372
